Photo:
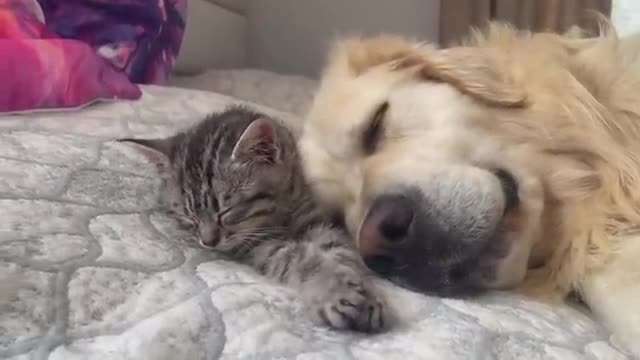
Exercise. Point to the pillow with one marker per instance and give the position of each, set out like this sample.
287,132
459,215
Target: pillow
41,71
57,73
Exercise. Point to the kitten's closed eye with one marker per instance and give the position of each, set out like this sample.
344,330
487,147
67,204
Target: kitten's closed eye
260,195
247,208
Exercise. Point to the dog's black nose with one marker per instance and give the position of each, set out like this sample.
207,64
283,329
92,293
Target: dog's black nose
436,241
385,228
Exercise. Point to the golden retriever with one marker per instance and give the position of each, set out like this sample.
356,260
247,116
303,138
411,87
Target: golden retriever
510,161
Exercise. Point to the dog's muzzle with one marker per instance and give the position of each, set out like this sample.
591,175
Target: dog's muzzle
446,241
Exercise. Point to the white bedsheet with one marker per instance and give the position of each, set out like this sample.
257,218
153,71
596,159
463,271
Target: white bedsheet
104,274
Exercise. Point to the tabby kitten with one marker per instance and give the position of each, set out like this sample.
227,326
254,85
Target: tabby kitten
237,178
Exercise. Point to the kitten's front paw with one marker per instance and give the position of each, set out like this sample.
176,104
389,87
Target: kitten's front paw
354,304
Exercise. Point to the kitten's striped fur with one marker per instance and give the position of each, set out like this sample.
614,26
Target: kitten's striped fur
237,178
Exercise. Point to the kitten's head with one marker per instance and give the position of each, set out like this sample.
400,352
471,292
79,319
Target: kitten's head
231,178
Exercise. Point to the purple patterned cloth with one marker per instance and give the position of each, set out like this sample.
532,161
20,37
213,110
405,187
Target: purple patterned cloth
141,38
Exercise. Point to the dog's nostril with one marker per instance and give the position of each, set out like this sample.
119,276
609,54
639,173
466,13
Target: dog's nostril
386,227
381,264
395,225
394,215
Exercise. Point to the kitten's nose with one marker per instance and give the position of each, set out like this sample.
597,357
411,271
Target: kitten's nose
209,235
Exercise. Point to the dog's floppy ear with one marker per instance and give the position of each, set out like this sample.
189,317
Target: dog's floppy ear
358,55
472,70
476,73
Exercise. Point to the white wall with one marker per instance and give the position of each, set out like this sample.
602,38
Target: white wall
215,36
626,16
291,36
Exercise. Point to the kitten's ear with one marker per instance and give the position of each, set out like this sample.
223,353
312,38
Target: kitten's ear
157,150
162,146
258,142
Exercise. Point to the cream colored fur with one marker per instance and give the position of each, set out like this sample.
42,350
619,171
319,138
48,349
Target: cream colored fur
561,112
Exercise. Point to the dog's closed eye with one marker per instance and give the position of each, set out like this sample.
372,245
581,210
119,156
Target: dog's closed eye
374,132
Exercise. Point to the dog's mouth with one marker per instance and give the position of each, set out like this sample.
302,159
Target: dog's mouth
467,275
452,250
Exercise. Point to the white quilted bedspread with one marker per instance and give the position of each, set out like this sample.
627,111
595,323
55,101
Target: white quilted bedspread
102,273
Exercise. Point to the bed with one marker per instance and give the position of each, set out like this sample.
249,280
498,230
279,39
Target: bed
103,273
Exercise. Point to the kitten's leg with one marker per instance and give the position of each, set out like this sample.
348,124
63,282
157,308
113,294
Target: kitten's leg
331,276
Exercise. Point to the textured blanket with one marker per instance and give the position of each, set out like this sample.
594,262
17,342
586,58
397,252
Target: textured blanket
103,273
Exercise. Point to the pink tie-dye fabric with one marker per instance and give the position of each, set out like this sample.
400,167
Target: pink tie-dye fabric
40,71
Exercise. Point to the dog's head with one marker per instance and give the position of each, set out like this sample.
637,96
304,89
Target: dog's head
436,160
